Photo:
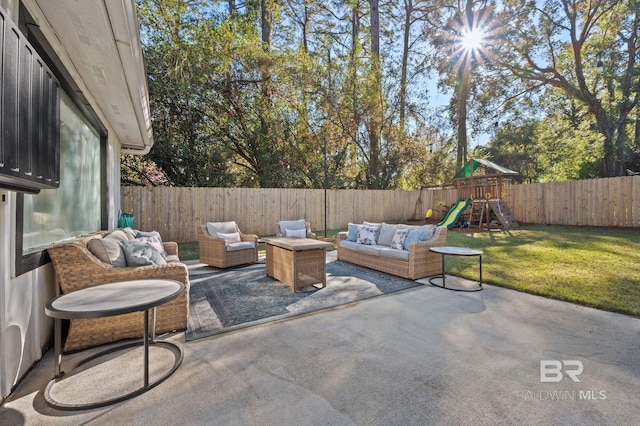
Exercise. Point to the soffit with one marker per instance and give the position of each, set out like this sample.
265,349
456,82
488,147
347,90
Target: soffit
100,41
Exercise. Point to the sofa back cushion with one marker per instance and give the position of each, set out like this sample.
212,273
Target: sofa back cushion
129,232
214,228
293,225
422,233
352,233
118,235
107,250
386,234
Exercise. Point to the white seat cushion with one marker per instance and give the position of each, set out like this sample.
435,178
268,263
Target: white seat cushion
243,245
393,253
351,245
368,249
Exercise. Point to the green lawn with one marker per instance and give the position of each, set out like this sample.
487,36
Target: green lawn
598,267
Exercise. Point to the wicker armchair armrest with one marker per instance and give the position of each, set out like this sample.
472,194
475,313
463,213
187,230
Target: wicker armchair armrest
171,248
249,237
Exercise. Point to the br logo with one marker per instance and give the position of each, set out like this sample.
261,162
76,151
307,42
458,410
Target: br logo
551,370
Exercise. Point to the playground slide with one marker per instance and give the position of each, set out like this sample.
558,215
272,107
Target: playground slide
454,212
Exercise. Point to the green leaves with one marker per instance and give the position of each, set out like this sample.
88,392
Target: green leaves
227,110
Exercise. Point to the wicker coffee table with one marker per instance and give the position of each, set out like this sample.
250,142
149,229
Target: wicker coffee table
297,262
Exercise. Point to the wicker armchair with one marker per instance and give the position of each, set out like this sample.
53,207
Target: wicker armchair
76,267
217,252
283,225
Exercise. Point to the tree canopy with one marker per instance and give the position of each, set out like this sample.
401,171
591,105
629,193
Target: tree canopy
259,93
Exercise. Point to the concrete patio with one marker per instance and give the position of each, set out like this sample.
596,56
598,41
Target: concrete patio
420,357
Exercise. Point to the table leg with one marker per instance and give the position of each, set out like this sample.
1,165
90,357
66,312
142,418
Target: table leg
480,256
146,348
153,326
443,276
57,331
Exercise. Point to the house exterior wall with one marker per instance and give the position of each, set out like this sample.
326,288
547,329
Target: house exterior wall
25,330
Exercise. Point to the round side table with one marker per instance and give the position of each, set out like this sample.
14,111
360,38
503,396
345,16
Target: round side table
107,300
455,251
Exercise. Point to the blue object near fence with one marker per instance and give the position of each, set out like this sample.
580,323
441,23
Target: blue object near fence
125,220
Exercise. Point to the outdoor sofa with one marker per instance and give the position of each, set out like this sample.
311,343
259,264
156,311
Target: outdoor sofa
100,259
370,245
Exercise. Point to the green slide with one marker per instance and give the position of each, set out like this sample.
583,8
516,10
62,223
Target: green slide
454,212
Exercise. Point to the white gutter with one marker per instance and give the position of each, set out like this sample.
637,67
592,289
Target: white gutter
126,33
132,151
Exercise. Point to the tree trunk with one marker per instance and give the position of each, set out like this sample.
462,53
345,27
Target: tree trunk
408,10
355,107
265,141
463,94
265,20
636,137
375,104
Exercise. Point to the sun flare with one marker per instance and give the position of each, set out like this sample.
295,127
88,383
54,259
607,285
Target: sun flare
472,40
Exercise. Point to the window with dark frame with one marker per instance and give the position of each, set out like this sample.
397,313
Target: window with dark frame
78,206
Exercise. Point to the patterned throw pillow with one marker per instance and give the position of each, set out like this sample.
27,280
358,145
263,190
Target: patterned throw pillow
366,235
399,238
153,239
376,227
141,254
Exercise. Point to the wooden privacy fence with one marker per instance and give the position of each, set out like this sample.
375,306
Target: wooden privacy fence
593,202
175,212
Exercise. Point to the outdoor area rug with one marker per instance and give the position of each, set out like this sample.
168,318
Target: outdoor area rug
227,300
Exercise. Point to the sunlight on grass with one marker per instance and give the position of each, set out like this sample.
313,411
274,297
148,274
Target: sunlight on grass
598,267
